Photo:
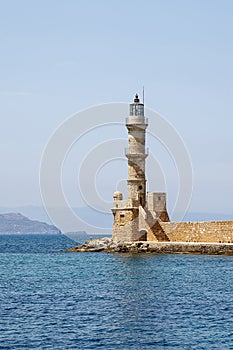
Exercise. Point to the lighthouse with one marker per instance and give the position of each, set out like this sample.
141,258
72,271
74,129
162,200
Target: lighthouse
136,153
136,218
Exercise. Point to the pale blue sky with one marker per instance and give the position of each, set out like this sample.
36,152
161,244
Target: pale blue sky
58,57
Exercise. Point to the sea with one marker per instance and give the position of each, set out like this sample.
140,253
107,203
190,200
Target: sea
51,299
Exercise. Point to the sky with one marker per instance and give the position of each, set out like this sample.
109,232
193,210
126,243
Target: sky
61,57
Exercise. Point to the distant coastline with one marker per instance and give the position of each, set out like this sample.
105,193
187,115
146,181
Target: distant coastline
16,223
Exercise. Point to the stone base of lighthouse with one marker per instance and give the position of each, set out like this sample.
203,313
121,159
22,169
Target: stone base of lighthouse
132,222
126,225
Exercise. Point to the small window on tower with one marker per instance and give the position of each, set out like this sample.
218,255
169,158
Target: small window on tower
140,187
122,219
159,198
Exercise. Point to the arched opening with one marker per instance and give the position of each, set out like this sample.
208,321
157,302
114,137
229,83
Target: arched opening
143,235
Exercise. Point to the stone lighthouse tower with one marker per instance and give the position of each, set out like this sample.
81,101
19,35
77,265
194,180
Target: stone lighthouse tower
126,225
136,125
137,218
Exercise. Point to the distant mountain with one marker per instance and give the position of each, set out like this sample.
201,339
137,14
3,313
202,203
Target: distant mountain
30,211
16,223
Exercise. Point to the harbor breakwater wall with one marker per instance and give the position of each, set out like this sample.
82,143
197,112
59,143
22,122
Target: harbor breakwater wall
206,231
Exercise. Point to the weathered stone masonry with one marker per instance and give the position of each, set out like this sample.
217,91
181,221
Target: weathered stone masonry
143,216
209,231
136,218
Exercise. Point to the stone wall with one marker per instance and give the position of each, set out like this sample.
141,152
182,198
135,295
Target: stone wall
209,231
151,225
126,225
156,203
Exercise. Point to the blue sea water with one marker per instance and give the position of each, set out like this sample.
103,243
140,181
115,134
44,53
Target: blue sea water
50,299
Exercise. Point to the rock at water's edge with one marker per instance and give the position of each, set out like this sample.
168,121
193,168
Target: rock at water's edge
108,245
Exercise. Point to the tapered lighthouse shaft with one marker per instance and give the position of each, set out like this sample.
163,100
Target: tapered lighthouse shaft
136,152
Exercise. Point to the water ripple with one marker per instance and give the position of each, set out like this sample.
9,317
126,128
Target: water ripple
104,301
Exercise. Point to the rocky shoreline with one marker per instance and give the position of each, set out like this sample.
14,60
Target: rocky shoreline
108,245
